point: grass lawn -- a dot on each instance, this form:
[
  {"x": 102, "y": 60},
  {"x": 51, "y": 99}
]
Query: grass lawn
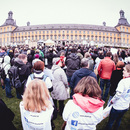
[{"x": 13, "y": 104}]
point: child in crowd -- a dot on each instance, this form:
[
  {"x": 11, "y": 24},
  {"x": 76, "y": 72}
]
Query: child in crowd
[{"x": 36, "y": 108}]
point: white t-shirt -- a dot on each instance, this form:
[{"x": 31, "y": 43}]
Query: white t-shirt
[
  {"x": 35, "y": 120},
  {"x": 47, "y": 81},
  {"x": 78, "y": 119},
  {"x": 124, "y": 100}
]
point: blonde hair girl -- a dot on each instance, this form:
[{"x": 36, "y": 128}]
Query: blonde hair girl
[
  {"x": 36, "y": 108},
  {"x": 36, "y": 96}
]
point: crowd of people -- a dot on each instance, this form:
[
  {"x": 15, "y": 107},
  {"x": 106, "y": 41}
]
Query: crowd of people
[{"x": 88, "y": 77}]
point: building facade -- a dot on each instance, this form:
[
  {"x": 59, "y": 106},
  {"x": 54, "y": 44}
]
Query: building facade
[{"x": 118, "y": 36}]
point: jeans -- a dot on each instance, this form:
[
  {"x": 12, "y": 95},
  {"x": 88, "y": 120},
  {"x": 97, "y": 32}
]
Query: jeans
[
  {"x": 8, "y": 88},
  {"x": 115, "y": 115},
  {"x": 102, "y": 85}
]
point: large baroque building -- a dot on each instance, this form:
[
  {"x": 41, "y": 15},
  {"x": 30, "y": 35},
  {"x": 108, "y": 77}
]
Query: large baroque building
[{"x": 118, "y": 36}]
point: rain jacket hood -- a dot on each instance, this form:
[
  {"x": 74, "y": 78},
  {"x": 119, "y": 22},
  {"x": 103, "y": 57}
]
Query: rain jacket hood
[
  {"x": 55, "y": 67},
  {"x": 88, "y": 104}
]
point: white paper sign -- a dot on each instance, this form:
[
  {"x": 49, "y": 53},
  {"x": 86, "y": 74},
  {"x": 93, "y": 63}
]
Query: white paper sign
[{"x": 114, "y": 51}]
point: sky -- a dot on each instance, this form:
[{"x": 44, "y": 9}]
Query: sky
[{"x": 38, "y": 12}]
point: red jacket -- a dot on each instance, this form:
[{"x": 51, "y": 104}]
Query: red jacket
[{"x": 105, "y": 68}]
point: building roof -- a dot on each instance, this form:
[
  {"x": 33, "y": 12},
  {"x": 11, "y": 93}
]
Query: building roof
[
  {"x": 122, "y": 20},
  {"x": 65, "y": 27},
  {"x": 10, "y": 20}
]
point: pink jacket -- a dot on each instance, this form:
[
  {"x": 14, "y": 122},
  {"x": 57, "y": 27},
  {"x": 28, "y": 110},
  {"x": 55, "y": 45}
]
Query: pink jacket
[
  {"x": 105, "y": 68},
  {"x": 88, "y": 104}
]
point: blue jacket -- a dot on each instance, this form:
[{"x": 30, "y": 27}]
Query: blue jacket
[
  {"x": 79, "y": 74},
  {"x": 3, "y": 54}
]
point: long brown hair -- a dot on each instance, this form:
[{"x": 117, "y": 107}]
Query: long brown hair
[
  {"x": 88, "y": 86},
  {"x": 36, "y": 96}
]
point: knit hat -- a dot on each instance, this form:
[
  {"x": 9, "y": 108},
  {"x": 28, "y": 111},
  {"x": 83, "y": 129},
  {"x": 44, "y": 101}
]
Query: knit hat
[{"x": 36, "y": 56}]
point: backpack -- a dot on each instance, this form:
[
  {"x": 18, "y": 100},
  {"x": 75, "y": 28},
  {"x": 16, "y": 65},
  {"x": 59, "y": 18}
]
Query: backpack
[
  {"x": 3, "y": 75},
  {"x": 42, "y": 78},
  {"x": 14, "y": 77},
  {"x": 1, "y": 62},
  {"x": 12, "y": 72}
]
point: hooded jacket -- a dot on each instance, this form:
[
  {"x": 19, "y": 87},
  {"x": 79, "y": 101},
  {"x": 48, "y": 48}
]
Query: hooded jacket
[
  {"x": 59, "y": 83},
  {"x": 6, "y": 65},
  {"x": 73, "y": 63},
  {"x": 79, "y": 74},
  {"x": 88, "y": 104},
  {"x": 24, "y": 70},
  {"x": 83, "y": 113}
]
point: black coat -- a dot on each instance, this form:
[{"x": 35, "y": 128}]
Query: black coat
[
  {"x": 116, "y": 76},
  {"x": 23, "y": 71},
  {"x": 73, "y": 63},
  {"x": 6, "y": 117}
]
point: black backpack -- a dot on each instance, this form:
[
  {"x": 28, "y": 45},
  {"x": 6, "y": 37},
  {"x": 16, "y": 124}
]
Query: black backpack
[
  {"x": 3, "y": 75},
  {"x": 14, "y": 77},
  {"x": 13, "y": 72}
]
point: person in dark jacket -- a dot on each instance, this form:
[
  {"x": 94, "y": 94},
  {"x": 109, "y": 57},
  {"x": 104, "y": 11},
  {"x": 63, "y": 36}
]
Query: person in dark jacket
[
  {"x": 73, "y": 63},
  {"x": 29, "y": 59},
  {"x": 6, "y": 117},
  {"x": 50, "y": 55},
  {"x": 116, "y": 76},
  {"x": 11, "y": 54},
  {"x": 23, "y": 71},
  {"x": 79, "y": 74}
]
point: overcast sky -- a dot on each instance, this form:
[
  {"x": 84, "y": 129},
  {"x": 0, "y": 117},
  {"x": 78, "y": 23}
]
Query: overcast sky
[{"x": 93, "y": 12}]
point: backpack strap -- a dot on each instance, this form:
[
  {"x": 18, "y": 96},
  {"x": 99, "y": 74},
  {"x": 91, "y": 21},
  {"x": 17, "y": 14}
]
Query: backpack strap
[
  {"x": 32, "y": 76},
  {"x": 44, "y": 77}
]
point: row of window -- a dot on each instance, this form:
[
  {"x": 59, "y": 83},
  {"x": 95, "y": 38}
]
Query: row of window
[
  {"x": 84, "y": 37},
  {"x": 6, "y": 29},
  {"x": 71, "y": 38},
  {"x": 122, "y": 35},
  {"x": 123, "y": 29},
  {"x": 63, "y": 32}
]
